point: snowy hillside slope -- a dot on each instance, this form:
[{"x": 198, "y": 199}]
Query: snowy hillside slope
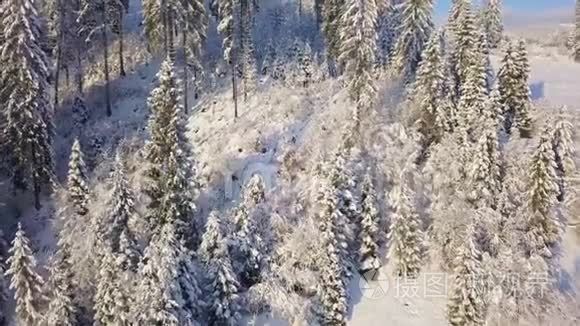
[{"x": 278, "y": 122}]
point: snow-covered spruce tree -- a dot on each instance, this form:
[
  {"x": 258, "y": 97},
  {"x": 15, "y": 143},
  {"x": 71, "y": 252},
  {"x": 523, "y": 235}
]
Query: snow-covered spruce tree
[
  {"x": 223, "y": 302},
  {"x": 466, "y": 305},
  {"x": 576, "y": 47},
  {"x": 357, "y": 50},
  {"x": 226, "y": 28},
  {"x": 25, "y": 282},
  {"x": 485, "y": 170},
  {"x": 465, "y": 46},
  {"x": 305, "y": 66},
  {"x": 492, "y": 22},
  {"x": 369, "y": 228},
  {"x": 153, "y": 24},
  {"x": 387, "y": 30},
  {"x": 523, "y": 120},
  {"x": 331, "y": 27},
  {"x": 416, "y": 27},
  {"x": 457, "y": 8},
  {"x": 332, "y": 296},
  {"x": 27, "y": 113},
  {"x": 341, "y": 177},
  {"x": 473, "y": 90},
  {"x": 542, "y": 226},
  {"x": 116, "y": 233},
  {"x": 247, "y": 55},
  {"x": 62, "y": 310},
  {"x": 112, "y": 300},
  {"x": 170, "y": 171},
  {"x": 77, "y": 187},
  {"x": 484, "y": 50},
  {"x": 563, "y": 144},
  {"x": 427, "y": 92},
  {"x": 155, "y": 297},
  {"x": 248, "y": 243},
  {"x": 513, "y": 87},
  {"x": 406, "y": 237}
]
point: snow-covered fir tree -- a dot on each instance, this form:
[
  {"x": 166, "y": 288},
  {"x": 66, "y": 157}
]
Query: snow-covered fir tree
[
  {"x": 170, "y": 173},
  {"x": 513, "y": 87},
  {"x": 427, "y": 92},
  {"x": 306, "y": 66},
  {"x": 564, "y": 150},
  {"x": 156, "y": 296},
  {"x": 112, "y": 302},
  {"x": 248, "y": 243},
  {"x": 224, "y": 301},
  {"x": 341, "y": 176},
  {"x": 492, "y": 22},
  {"x": 62, "y": 310},
  {"x": 332, "y": 296},
  {"x": 153, "y": 24},
  {"x": 473, "y": 90},
  {"x": 458, "y": 7},
  {"x": 357, "y": 50},
  {"x": 542, "y": 226},
  {"x": 369, "y": 228},
  {"x": 115, "y": 232},
  {"x": 415, "y": 30},
  {"x": 77, "y": 187},
  {"x": 387, "y": 30},
  {"x": 405, "y": 235},
  {"x": 485, "y": 170},
  {"x": 331, "y": 27},
  {"x": 465, "y": 45},
  {"x": 523, "y": 120},
  {"x": 27, "y": 112},
  {"x": 25, "y": 281},
  {"x": 484, "y": 50},
  {"x": 466, "y": 303}
]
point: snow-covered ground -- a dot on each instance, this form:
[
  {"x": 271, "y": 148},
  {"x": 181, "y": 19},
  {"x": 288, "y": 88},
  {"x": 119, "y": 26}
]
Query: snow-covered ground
[{"x": 279, "y": 120}]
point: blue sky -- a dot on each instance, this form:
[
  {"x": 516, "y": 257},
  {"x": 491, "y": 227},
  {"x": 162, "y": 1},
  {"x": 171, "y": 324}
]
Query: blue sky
[{"x": 538, "y": 6}]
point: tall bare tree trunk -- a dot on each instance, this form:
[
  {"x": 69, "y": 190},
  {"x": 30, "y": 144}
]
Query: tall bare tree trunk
[
  {"x": 58, "y": 55},
  {"x": 106, "y": 58},
  {"x": 122, "y": 72},
  {"x": 35, "y": 181},
  {"x": 57, "y": 75},
  {"x": 185, "y": 73},
  {"x": 234, "y": 81},
  {"x": 79, "y": 72}
]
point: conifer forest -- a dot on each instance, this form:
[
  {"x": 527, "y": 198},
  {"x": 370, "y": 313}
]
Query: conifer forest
[{"x": 289, "y": 162}]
